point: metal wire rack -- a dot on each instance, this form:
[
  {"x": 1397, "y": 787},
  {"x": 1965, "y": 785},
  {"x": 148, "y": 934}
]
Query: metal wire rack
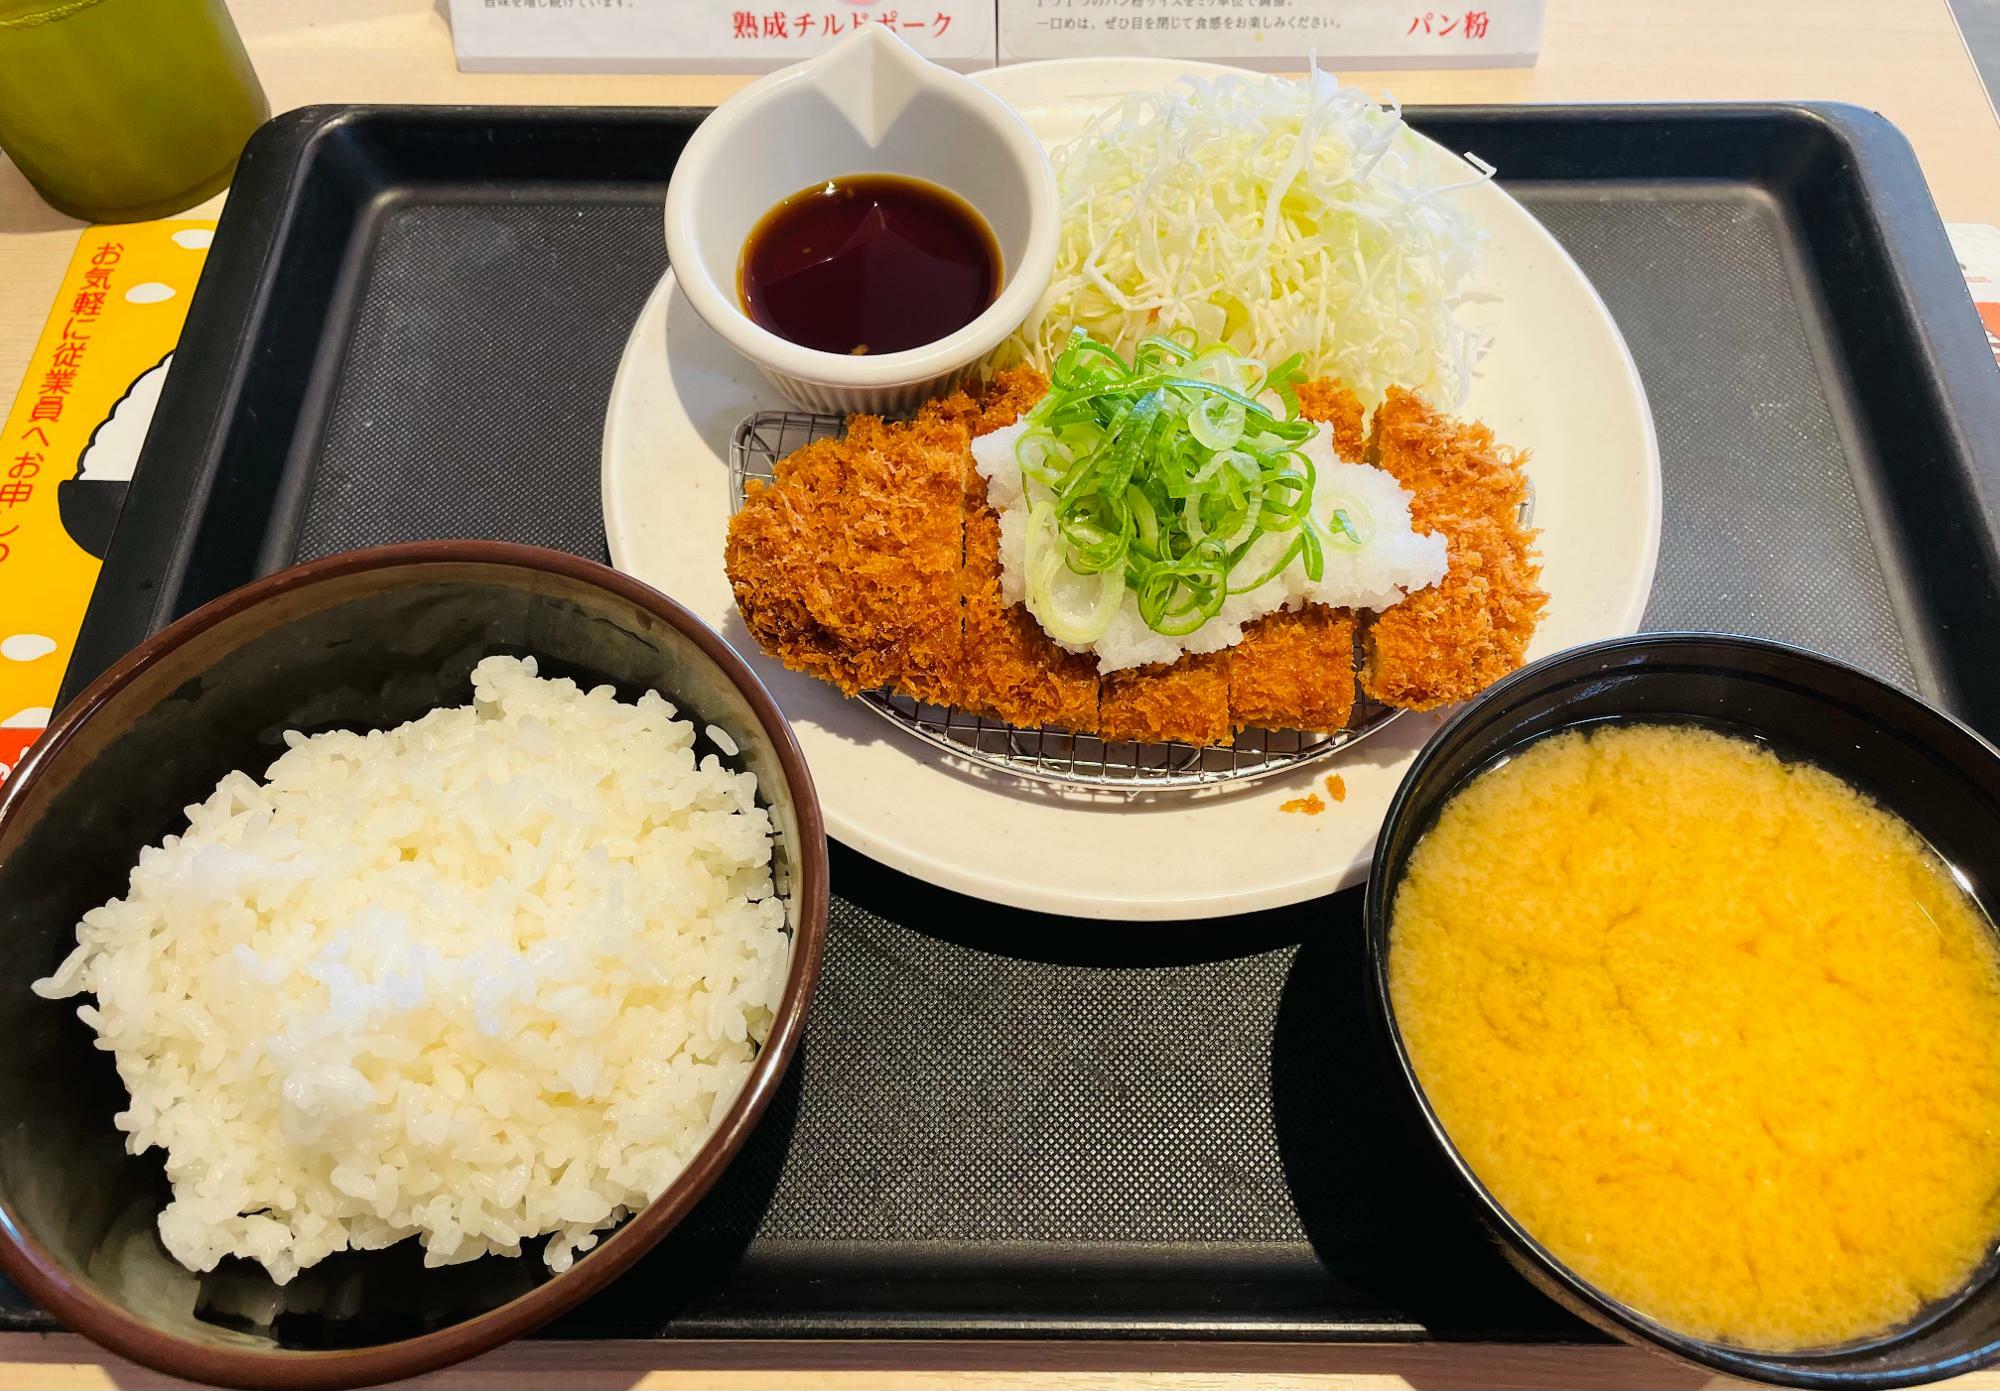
[{"x": 1046, "y": 755}]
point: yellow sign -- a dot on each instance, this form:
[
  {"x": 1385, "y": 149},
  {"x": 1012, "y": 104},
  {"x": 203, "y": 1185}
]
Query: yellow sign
[{"x": 67, "y": 451}]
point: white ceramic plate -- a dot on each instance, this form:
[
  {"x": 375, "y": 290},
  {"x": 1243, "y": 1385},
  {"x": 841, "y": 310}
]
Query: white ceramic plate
[{"x": 1558, "y": 382}]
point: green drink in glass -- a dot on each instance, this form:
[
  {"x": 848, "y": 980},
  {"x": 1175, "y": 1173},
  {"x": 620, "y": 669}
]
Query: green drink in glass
[{"x": 121, "y": 110}]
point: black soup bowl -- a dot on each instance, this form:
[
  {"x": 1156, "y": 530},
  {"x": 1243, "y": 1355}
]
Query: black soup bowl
[{"x": 1923, "y": 765}]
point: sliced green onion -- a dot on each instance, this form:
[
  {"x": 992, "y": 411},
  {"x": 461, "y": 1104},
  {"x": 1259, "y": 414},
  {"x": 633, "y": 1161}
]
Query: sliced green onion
[
  {"x": 1352, "y": 526},
  {"x": 1157, "y": 477},
  {"x": 1072, "y": 608},
  {"x": 1216, "y": 422}
]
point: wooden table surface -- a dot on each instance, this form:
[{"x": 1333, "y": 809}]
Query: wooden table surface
[{"x": 1903, "y": 58}]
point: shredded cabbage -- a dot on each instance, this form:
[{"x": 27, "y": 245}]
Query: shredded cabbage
[{"x": 1271, "y": 215}]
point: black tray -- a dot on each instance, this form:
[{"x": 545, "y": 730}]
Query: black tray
[{"x": 1005, "y": 1124}]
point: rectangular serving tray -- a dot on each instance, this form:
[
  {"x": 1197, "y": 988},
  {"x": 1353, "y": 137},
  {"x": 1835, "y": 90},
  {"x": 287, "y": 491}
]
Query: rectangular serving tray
[{"x": 1011, "y": 1125}]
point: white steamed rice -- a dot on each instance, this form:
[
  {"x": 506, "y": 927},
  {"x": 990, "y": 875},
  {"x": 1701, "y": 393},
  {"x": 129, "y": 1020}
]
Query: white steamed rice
[
  {"x": 494, "y": 974},
  {"x": 1397, "y": 560}
]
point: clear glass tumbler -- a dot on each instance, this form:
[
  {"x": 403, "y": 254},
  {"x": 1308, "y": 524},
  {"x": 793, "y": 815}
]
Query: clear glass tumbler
[{"x": 121, "y": 110}]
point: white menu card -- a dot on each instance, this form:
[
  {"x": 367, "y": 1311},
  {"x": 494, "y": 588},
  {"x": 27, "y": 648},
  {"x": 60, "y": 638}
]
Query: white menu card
[
  {"x": 1278, "y": 33},
  {"x": 703, "y": 35},
  {"x": 760, "y": 35}
]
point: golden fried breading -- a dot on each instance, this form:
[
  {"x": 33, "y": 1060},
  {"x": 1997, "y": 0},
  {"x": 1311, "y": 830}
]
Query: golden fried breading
[
  {"x": 1454, "y": 469},
  {"x": 1012, "y": 669},
  {"x": 847, "y": 568},
  {"x": 1333, "y": 405},
  {"x": 1448, "y": 642},
  {"x": 1187, "y": 701},
  {"x": 1294, "y": 669},
  {"x": 984, "y": 406},
  {"x": 874, "y": 561}
]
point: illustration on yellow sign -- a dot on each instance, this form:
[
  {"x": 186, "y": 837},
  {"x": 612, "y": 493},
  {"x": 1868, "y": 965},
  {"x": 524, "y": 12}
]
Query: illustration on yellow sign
[{"x": 70, "y": 444}]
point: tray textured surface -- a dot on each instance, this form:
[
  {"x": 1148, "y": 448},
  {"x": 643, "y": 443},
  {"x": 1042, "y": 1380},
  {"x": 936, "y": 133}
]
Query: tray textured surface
[
  {"x": 1009, "y": 1124},
  {"x": 980, "y": 1080},
  {"x": 481, "y": 351},
  {"x": 1763, "y": 530}
]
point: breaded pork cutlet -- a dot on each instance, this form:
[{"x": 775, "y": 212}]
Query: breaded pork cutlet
[
  {"x": 1294, "y": 669},
  {"x": 875, "y": 561},
  {"x": 982, "y": 407},
  {"x": 1451, "y": 641},
  {"x": 1186, "y": 701},
  {"x": 1333, "y": 405},
  {"x": 847, "y": 567},
  {"x": 1012, "y": 670}
]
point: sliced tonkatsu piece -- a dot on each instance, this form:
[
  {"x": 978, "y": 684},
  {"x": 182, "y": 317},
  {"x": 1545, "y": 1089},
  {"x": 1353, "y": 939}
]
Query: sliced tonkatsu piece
[
  {"x": 982, "y": 407},
  {"x": 1294, "y": 670},
  {"x": 847, "y": 568},
  {"x": 1012, "y": 670},
  {"x": 1449, "y": 642},
  {"x": 1187, "y": 701},
  {"x": 1340, "y": 410}
]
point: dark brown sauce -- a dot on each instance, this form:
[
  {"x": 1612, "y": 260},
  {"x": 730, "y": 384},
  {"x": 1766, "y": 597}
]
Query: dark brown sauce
[{"x": 869, "y": 263}]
